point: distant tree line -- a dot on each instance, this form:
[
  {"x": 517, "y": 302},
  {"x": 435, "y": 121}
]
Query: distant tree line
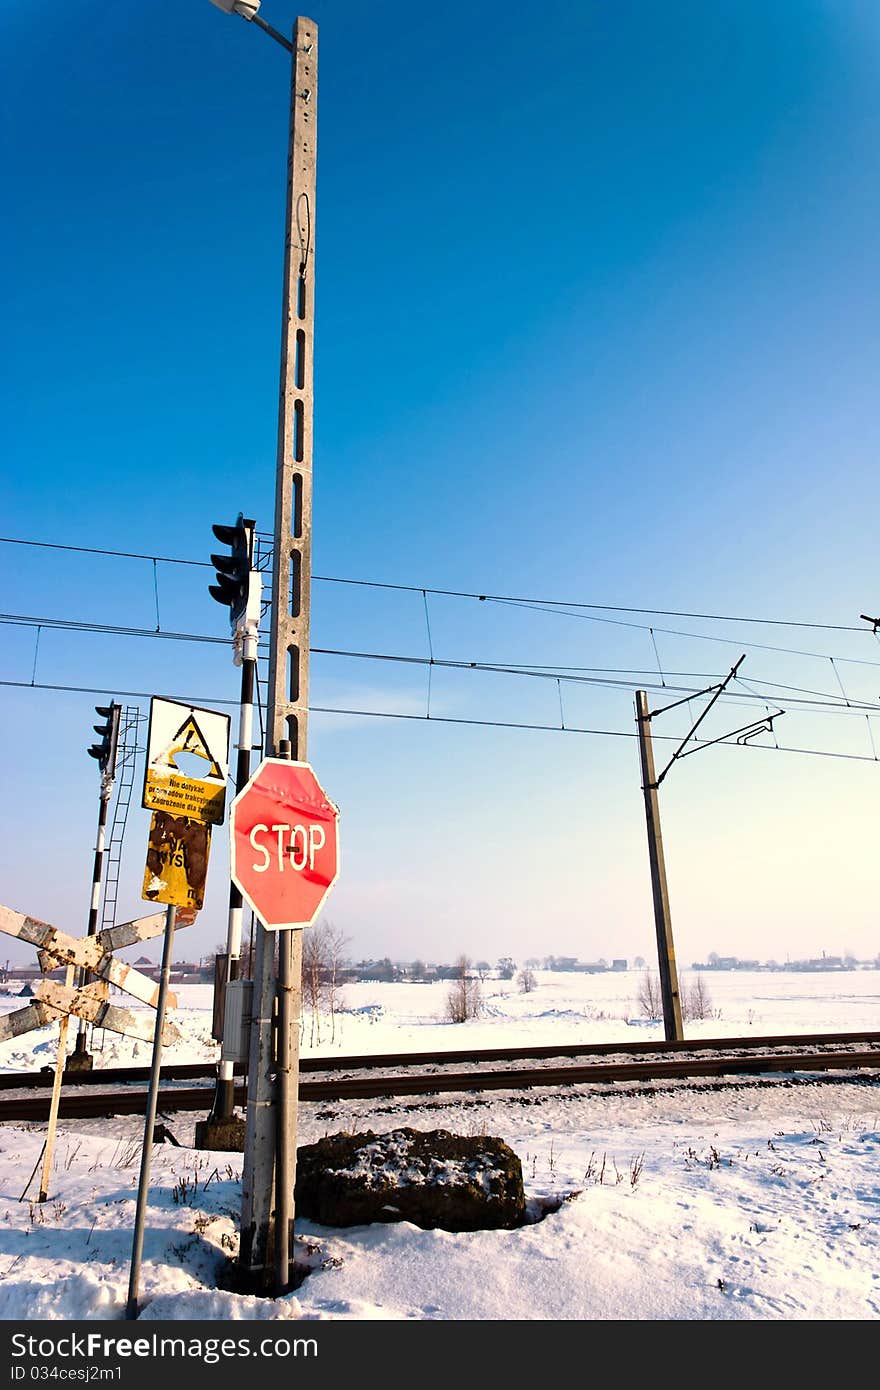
[
  {"x": 388, "y": 971},
  {"x": 847, "y": 961}
]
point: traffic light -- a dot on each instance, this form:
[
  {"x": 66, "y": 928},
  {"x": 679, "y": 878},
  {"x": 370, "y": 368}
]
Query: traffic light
[
  {"x": 105, "y": 751},
  {"x": 234, "y": 584}
]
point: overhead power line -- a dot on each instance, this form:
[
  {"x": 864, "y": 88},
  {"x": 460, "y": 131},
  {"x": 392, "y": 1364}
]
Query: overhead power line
[
  {"x": 534, "y": 606},
  {"x": 437, "y": 719},
  {"x": 556, "y": 670},
  {"x": 100, "y": 550},
  {"x": 109, "y": 629},
  {"x": 537, "y": 603},
  {"x": 605, "y": 677}
]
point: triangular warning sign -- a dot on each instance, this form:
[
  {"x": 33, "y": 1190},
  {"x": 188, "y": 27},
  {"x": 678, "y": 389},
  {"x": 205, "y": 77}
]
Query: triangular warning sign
[{"x": 188, "y": 739}]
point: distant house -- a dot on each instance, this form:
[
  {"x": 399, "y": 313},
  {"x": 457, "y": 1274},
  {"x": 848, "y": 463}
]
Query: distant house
[
  {"x": 378, "y": 971},
  {"x": 619, "y": 965},
  {"x": 185, "y": 972}
]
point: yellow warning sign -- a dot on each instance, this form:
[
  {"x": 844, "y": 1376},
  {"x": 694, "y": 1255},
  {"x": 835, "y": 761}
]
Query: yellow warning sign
[
  {"x": 188, "y": 739},
  {"x": 176, "y": 730},
  {"x": 177, "y": 861}
]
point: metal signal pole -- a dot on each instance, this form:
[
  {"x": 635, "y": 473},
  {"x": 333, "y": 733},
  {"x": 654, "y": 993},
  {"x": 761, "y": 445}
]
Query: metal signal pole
[
  {"x": 223, "y": 1129},
  {"x": 273, "y": 1071},
  {"x": 238, "y": 586},
  {"x": 662, "y": 921},
  {"x": 105, "y": 752}
]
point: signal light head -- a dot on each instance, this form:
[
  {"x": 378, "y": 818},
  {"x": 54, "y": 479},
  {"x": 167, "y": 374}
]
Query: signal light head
[
  {"x": 233, "y": 570},
  {"x": 105, "y": 751},
  {"x": 227, "y": 535},
  {"x": 228, "y": 591},
  {"x": 231, "y": 564}
]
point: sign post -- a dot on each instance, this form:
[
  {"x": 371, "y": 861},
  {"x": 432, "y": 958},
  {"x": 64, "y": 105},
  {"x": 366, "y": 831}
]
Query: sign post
[
  {"x": 284, "y": 858},
  {"x": 55, "y": 1102},
  {"x": 131, "y": 1308},
  {"x": 184, "y": 807}
]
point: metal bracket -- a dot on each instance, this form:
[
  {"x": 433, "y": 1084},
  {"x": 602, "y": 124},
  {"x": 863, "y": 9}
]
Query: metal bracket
[
  {"x": 763, "y": 726},
  {"x": 267, "y": 29},
  {"x": 717, "y": 689}
]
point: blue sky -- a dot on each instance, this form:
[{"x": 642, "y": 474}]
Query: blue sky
[{"x": 596, "y": 320}]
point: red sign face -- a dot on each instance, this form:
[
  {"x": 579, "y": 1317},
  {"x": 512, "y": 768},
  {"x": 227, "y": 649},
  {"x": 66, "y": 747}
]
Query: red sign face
[{"x": 284, "y": 844}]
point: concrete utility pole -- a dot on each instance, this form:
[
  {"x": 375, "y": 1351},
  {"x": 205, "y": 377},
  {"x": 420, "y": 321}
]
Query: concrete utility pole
[
  {"x": 650, "y": 783},
  {"x": 663, "y": 923},
  {"x": 273, "y": 1071}
]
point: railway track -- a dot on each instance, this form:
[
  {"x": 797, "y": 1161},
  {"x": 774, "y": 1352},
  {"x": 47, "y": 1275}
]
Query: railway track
[
  {"x": 121, "y": 1091},
  {"x": 205, "y": 1071}
]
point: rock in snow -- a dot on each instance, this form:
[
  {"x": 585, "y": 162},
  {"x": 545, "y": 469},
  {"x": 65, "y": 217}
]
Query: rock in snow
[{"x": 432, "y": 1178}]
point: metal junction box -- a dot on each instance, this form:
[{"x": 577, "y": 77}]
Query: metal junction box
[{"x": 237, "y": 1021}]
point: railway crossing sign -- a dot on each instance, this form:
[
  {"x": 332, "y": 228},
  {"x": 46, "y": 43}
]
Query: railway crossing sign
[
  {"x": 90, "y": 1003},
  {"x": 284, "y": 844},
  {"x": 93, "y": 953}
]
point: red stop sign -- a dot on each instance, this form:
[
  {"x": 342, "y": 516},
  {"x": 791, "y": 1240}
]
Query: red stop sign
[{"x": 284, "y": 853}]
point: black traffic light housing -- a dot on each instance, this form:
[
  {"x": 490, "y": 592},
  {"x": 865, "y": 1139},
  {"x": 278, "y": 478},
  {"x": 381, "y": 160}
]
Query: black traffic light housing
[
  {"x": 106, "y": 750},
  {"x": 234, "y": 570}
]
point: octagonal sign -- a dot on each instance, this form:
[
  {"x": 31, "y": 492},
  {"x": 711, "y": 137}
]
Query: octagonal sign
[{"x": 284, "y": 844}]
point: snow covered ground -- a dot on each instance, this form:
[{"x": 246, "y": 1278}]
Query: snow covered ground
[{"x": 743, "y": 1202}]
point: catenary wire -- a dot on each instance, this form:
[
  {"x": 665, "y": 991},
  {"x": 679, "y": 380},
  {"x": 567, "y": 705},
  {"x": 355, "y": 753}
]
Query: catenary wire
[
  {"x": 540, "y": 604},
  {"x": 532, "y": 606},
  {"x": 441, "y": 719},
  {"x": 818, "y": 701}
]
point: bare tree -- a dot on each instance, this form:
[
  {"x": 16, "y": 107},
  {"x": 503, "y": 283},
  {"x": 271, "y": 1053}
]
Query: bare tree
[
  {"x": 695, "y": 1001},
  {"x": 311, "y": 981},
  {"x": 334, "y": 943},
  {"x": 526, "y": 980},
  {"x": 649, "y": 998},
  {"x": 321, "y": 965},
  {"x": 465, "y": 997}
]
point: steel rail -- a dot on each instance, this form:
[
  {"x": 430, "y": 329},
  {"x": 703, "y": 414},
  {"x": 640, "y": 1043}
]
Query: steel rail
[
  {"x": 370, "y": 1087},
  {"x": 202, "y": 1071}
]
